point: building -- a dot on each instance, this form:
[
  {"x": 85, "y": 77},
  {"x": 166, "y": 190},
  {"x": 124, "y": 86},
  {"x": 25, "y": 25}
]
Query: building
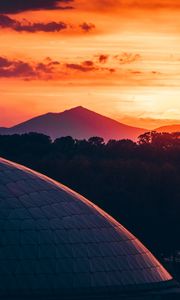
[{"x": 55, "y": 244}]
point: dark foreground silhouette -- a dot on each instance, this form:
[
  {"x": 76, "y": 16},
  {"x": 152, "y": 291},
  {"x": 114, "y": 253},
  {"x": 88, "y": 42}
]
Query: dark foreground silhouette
[{"x": 137, "y": 183}]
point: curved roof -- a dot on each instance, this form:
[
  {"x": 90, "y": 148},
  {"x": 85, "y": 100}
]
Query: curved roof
[{"x": 53, "y": 240}]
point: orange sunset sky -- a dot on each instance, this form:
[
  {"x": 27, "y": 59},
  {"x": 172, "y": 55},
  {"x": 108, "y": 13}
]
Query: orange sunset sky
[{"x": 120, "y": 58}]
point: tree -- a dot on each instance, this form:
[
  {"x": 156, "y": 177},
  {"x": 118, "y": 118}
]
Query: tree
[
  {"x": 96, "y": 141},
  {"x": 146, "y": 138},
  {"x": 64, "y": 145}
]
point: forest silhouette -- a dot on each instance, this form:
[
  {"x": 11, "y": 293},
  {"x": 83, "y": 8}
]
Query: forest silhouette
[{"x": 137, "y": 183}]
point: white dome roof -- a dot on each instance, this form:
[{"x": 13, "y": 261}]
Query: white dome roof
[{"x": 53, "y": 240}]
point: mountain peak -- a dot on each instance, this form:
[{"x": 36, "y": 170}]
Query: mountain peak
[
  {"x": 79, "y": 107},
  {"x": 78, "y": 122},
  {"x": 76, "y": 108},
  {"x": 73, "y": 109}
]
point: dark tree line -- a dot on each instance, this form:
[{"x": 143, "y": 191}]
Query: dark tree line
[{"x": 137, "y": 183}]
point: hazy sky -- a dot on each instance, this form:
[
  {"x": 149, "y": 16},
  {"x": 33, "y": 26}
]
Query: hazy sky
[{"x": 119, "y": 58}]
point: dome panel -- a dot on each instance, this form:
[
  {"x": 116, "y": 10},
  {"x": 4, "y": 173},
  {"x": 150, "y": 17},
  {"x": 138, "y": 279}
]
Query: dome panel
[{"x": 52, "y": 239}]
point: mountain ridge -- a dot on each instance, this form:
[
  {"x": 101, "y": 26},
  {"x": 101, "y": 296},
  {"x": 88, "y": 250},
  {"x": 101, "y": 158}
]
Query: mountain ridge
[
  {"x": 169, "y": 128},
  {"x": 78, "y": 122}
]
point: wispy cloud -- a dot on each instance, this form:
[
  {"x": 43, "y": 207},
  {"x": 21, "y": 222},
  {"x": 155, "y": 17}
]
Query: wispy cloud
[
  {"x": 17, "y": 6},
  {"x": 120, "y": 59},
  {"x": 89, "y": 66},
  {"x": 27, "y": 70},
  {"x": 102, "y": 65},
  {"x": 111, "y": 5},
  {"x": 103, "y": 58},
  {"x": 25, "y": 26},
  {"x": 7, "y": 22},
  {"x": 47, "y": 69},
  {"x": 85, "y": 66},
  {"x": 87, "y": 27},
  {"x": 127, "y": 58}
]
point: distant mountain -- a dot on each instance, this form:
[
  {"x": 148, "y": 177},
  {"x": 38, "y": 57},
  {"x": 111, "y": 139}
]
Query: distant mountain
[
  {"x": 169, "y": 128},
  {"x": 3, "y": 130},
  {"x": 78, "y": 122}
]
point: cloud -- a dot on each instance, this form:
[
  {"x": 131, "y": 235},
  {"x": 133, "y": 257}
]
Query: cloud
[
  {"x": 114, "y": 62},
  {"x": 89, "y": 66},
  {"x": 17, "y": 6},
  {"x": 19, "y": 68},
  {"x": 153, "y": 4},
  {"x": 7, "y": 22},
  {"x": 116, "y": 5},
  {"x": 127, "y": 58},
  {"x": 103, "y": 58},
  {"x": 85, "y": 66},
  {"x": 26, "y": 70},
  {"x": 87, "y": 26},
  {"x": 47, "y": 69},
  {"x": 100, "y": 65},
  {"x": 136, "y": 72},
  {"x": 4, "y": 62},
  {"x": 25, "y": 26},
  {"x": 118, "y": 59}
]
